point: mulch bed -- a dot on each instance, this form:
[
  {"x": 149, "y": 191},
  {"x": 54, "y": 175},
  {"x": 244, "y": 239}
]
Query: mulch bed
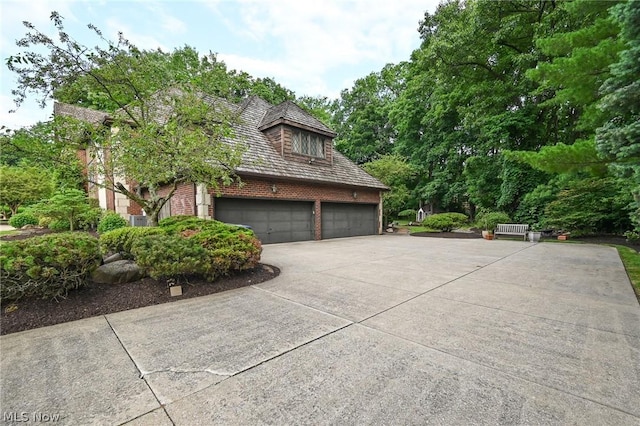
[
  {"x": 101, "y": 299},
  {"x": 594, "y": 239},
  {"x": 465, "y": 235}
]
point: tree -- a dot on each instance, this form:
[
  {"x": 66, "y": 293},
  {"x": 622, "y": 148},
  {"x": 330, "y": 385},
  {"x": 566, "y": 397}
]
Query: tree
[
  {"x": 67, "y": 205},
  {"x": 394, "y": 172},
  {"x": 619, "y": 138},
  {"x": 361, "y": 115},
  {"x": 160, "y": 138},
  {"x": 23, "y": 185}
]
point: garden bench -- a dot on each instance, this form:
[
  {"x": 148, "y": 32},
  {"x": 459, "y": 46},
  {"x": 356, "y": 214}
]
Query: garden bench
[{"x": 511, "y": 229}]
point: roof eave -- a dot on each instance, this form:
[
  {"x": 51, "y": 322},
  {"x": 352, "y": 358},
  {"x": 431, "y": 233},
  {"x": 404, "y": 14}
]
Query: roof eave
[{"x": 295, "y": 124}]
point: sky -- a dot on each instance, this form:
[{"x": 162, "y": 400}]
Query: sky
[{"x": 315, "y": 48}]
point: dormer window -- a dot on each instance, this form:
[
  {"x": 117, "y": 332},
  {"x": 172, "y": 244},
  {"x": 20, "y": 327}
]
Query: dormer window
[{"x": 306, "y": 143}]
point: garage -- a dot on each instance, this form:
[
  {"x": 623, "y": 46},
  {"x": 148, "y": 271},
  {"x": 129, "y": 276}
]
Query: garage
[
  {"x": 272, "y": 221},
  {"x": 348, "y": 220}
]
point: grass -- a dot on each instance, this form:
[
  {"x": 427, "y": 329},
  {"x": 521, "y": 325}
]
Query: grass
[
  {"x": 631, "y": 260},
  {"x": 413, "y": 228},
  {"x": 9, "y": 232}
]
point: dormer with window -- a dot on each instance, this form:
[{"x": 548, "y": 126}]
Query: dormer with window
[{"x": 297, "y": 135}]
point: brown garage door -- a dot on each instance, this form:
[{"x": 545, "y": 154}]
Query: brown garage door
[
  {"x": 272, "y": 221},
  {"x": 349, "y": 220}
]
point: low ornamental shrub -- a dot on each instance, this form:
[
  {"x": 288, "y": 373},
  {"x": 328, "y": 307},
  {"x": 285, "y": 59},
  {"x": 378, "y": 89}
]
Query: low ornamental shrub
[
  {"x": 59, "y": 225},
  {"x": 47, "y": 266},
  {"x": 233, "y": 249},
  {"x": 445, "y": 221},
  {"x": 121, "y": 240},
  {"x": 19, "y": 220},
  {"x": 489, "y": 220},
  {"x": 197, "y": 247},
  {"x": 165, "y": 256},
  {"x": 111, "y": 220}
]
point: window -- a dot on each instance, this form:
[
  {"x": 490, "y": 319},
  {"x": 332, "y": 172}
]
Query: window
[{"x": 307, "y": 144}]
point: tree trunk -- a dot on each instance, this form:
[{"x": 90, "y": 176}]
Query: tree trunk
[{"x": 152, "y": 217}]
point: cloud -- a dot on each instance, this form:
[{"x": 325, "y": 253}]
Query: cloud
[
  {"x": 140, "y": 40},
  {"x": 166, "y": 20},
  {"x": 12, "y": 13},
  {"x": 314, "y": 39},
  {"x": 28, "y": 114}
]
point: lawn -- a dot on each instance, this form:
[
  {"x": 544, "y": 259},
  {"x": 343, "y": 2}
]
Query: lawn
[{"x": 631, "y": 260}]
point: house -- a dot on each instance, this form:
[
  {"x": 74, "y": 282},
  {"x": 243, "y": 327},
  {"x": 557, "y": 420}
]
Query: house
[{"x": 295, "y": 185}]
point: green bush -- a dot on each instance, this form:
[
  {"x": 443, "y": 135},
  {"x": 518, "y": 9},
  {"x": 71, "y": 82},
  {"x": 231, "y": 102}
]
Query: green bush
[
  {"x": 179, "y": 224},
  {"x": 47, "y": 266},
  {"x": 231, "y": 249},
  {"x": 111, "y": 220},
  {"x": 212, "y": 251},
  {"x": 121, "y": 240},
  {"x": 19, "y": 220},
  {"x": 59, "y": 225},
  {"x": 489, "y": 220},
  {"x": 445, "y": 221},
  {"x": 165, "y": 256}
]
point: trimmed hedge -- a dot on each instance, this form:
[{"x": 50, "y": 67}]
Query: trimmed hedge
[
  {"x": 445, "y": 221},
  {"x": 47, "y": 266}
]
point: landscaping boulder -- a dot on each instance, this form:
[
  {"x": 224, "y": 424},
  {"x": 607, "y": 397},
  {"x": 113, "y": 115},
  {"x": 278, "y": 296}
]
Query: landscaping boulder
[{"x": 118, "y": 272}]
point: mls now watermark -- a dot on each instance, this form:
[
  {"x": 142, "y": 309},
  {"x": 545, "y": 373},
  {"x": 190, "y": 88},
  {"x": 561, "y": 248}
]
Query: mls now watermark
[{"x": 33, "y": 417}]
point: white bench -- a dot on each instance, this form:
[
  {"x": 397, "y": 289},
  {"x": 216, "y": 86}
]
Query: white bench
[{"x": 512, "y": 229}]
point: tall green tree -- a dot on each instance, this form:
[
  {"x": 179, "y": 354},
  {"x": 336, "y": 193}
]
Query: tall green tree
[
  {"x": 619, "y": 138},
  {"x": 159, "y": 138},
  {"x": 395, "y": 172},
  {"x": 361, "y": 115},
  {"x": 20, "y": 186}
]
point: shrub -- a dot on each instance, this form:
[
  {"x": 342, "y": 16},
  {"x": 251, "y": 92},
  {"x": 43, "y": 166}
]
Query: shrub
[
  {"x": 44, "y": 221},
  {"x": 215, "y": 250},
  {"x": 408, "y": 213},
  {"x": 19, "y": 220},
  {"x": 121, "y": 240},
  {"x": 111, "y": 220},
  {"x": 178, "y": 224},
  {"x": 445, "y": 221},
  {"x": 231, "y": 249},
  {"x": 59, "y": 225},
  {"x": 47, "y": 266},
  {"x": 490, "y": 220},
  {"x": 164, "y": 256}
]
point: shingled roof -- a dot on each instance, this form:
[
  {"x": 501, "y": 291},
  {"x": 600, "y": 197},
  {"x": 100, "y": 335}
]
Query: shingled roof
[
  {"x": 262, "y": 158},
  {"x": 85, "y": 114},
  {"x": 290, "y": 113}
]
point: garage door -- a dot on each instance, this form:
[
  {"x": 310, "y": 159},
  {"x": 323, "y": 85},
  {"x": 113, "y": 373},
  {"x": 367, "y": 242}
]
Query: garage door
[
  {"x": 349, "y": 220},
  {"x": 272, "y": 221}
]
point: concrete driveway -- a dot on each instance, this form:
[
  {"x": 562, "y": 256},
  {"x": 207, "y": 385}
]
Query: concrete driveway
[{"x": 370, "y": 330}]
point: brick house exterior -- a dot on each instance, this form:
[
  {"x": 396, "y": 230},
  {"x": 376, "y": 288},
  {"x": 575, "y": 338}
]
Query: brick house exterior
[{"x": 294, "y": 184}]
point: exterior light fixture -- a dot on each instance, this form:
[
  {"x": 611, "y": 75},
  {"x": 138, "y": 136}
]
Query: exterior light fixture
[
  {"x": 355, "y": 194},
  {"x": 274, "y": 188}
]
